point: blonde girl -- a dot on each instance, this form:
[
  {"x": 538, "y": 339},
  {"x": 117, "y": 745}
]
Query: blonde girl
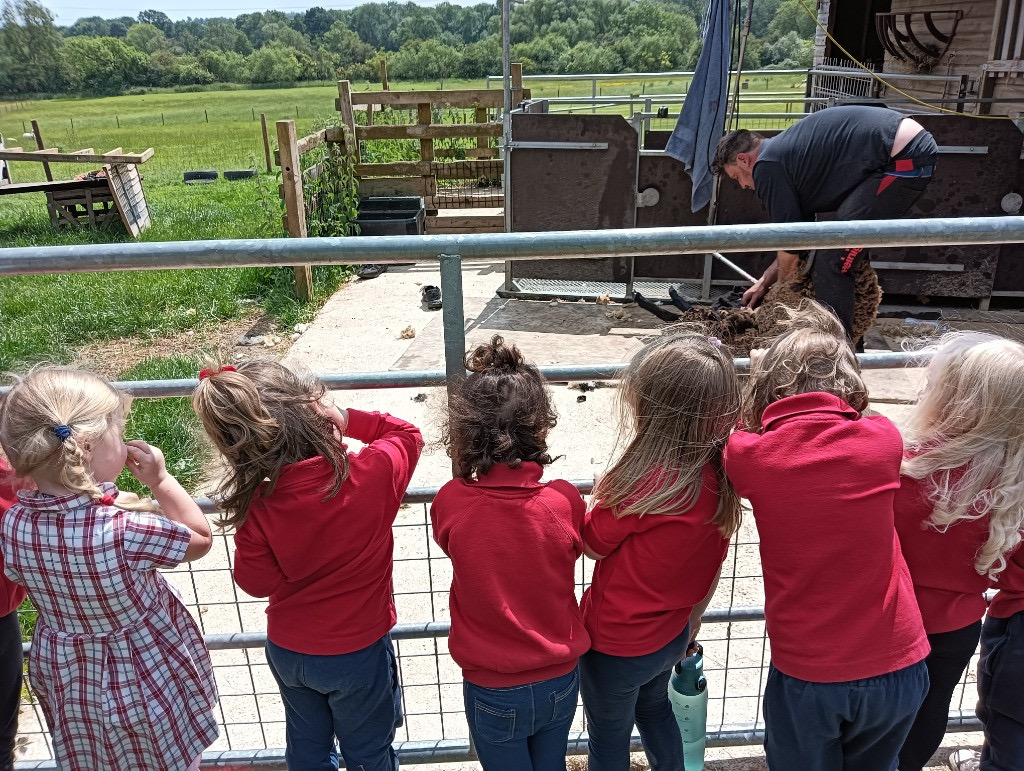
[
  {"x": 846, "y": 675},
  {"x": 312, "y": 528},
  {"x": 89, "y": 558},
  {"x": 659, "y": 528},
  {"x": 959, "y": 514}
]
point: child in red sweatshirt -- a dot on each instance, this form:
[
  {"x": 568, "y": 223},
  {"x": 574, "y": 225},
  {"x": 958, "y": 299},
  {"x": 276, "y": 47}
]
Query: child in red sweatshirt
[
  {"x": 517, "y": 631},
  {"x": 847, "y": 673},
  {"x": 313, "y": 533},
  {"x": 11, "y": 596},
  {"x": 660, "y": 526},
  {"x": 959, "y": 514}
]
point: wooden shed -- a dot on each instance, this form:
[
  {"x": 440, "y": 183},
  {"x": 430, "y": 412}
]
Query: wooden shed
[{"x": 980, "y": 40}]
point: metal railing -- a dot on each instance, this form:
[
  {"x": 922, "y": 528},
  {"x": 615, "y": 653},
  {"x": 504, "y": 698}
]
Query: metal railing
[{"x": 435, "y": 731}]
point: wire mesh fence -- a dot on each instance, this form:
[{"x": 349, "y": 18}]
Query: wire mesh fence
[{"x": 736, "y": 648}]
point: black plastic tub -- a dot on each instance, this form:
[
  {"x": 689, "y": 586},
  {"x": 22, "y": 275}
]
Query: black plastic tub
[{"x": 391, "y": 216}]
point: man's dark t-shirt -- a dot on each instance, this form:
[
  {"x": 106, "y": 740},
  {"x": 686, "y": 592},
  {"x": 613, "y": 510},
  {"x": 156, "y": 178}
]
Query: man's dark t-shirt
[{"x": 812, "y": 166}]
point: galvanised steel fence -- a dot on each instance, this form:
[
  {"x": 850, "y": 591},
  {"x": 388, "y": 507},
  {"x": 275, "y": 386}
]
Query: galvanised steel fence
[{"x": 736, "y": 646}]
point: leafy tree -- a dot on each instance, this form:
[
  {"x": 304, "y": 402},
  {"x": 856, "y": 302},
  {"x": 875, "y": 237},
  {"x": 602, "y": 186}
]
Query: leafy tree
[
  {"x": 226, "y": 66},
  {"x": 545, "y": 52},
  {"x": 273, "y": 63},
  {"x": 119, "y": 27},
  {"x": 346, "y": 45},
  {"x": 146, "y": 38},
  {"x": 482, "y": 58},
  {"x": 317, "y": 22},
  {"x": 788, "y": 52},
  {"x": 158, "y": 19},
  {"x": 222, "y": 35},
  {"x": 792, "y": 17},
  {"x": 103, "y": 65},
  {"x": 29, "y": 48},
  {"x": 276, "y": 32},
  {"x": 424, "y": 60},
  {"x": 93, "y": 26},
  {"x": 585, "y": 58},
  {"x": 419, "y": 26},
  {"x": 375, "y": 23}
]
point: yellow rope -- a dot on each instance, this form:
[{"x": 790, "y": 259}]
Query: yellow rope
[{"x": 886, "y": 83}]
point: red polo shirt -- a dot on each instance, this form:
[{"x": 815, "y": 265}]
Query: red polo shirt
[
  {"x": 949, "y": 590},
  {"x": 656, "y": 568},
  {"x": 839, "y": 603},
  {"x": 513, "y": 541},
  {"x": 11, "y": 594},
  {"x": 324, "y": 562}
]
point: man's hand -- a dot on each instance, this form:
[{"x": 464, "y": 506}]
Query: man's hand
[{"x": 753, "y": 296}]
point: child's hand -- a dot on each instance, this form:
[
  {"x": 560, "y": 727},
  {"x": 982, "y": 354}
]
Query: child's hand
[
  {"x": 146, "y": 463},
  {"x": 338, "y": 417},
  {"x": 757, "y": 356}
]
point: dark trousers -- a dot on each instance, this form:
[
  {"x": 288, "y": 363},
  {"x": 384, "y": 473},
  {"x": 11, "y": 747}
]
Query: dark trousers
[
  {"x": 10, "y": 686},
  {"x": 619, "y": 691},
  {"x": 523, "y": 727},
  {"x": 1001, "y": 693},
  {"x": 355, "y": 697},
  {"x": 951, "y": 653},
  {"x": 832, "y": 270},
  {"x": 858, "y": 725}
]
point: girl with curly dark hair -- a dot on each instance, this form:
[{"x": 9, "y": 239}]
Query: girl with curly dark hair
[{"x": 517, "y": 631}]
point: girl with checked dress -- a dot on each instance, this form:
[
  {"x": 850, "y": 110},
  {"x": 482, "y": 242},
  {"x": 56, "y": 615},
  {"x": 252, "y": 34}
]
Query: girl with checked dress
[{"x": 117, "y": 663}]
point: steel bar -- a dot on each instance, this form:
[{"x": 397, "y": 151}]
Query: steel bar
[
  {"x": 570, "y": 373},
  {"x": 590, "y": 244}
]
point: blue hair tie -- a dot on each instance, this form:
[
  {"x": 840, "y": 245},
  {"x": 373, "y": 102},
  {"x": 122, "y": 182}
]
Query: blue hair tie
[{"x": 63, "y": 432}]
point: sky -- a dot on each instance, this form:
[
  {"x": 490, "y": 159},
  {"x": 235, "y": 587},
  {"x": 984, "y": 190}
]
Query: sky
[{"x": 67, "y": 11}]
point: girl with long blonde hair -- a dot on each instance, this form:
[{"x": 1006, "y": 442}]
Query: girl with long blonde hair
[
  {"x": 659, "y": 527},
  {"x": 847, "y": 672},
  {"x": 960, "y": 513},
  {"x": 89, "y": 557}
]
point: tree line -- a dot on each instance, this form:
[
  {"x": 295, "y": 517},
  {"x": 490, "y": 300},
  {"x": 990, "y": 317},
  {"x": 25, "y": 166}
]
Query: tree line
[{"x": 97, "y": 55}]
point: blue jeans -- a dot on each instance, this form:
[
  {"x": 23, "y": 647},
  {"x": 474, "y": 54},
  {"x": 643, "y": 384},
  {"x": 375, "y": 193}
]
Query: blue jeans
[
  {"x": 1001, "y": 693},
  {"x": 355, "y": 697},
  {"x": 522, "y": 727},
  {"x": 858, "y": 725},
  {"x": 619, "y": 691}
]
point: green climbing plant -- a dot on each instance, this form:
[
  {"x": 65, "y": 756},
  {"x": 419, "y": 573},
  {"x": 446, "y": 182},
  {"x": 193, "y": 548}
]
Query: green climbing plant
[{"x": 329, "y": 186}]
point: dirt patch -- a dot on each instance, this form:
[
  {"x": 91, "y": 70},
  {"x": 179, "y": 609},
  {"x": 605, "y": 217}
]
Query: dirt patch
[
  {"x": 743, "y": 329},
  {"x": 111, "y": 357}
]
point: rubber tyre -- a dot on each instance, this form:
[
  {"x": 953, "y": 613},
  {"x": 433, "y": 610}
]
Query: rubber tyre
[
  {"x": 200, "y": 176},
  {"x": 233, "y": 174}
]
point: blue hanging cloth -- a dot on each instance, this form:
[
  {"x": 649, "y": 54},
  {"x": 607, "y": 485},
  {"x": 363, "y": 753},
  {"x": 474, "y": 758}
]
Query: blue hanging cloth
[{"x": 702, "y": 118}]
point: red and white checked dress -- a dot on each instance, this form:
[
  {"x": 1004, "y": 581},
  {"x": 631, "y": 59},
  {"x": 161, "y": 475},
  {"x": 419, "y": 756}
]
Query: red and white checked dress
[{"x": 118, "y": 664}]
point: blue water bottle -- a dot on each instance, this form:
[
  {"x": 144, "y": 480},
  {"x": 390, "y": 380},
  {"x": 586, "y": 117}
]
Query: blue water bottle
[{"x": 688, "y": 692}]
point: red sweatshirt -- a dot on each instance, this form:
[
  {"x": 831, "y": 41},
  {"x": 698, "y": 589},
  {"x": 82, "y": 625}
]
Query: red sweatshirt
[
  {"x": 656, "y": 568},
  {"x": 949, "y": 590},
  {"x": 513, "y": 541},
  {"x": 1009, "y": 600},
  {"x": 839, "y": 603},
  {"x": 11, "y": 594},
  {"x": 326, "y": 564}
]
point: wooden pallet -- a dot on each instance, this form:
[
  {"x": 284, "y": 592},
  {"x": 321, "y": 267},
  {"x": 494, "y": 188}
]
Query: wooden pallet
[{"x": 91, "y": 205}]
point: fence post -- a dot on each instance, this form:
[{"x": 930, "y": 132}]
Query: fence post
[
  {"x": 294, "y": 202},
  {"x": 348, "y": 116},
  {"x": 516, "y": 78},
  {"x": 41, "y": 146},
  {"x": 454, "y": 319},
  {"x": 266, "y": 142},
  {"x": 423, "y": 117}
]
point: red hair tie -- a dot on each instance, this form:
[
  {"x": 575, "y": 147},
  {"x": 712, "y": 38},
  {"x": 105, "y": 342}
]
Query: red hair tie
[{"x": 205, "y": 373}]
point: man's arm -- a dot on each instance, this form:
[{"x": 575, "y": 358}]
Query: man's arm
[{"x": 783, "y": 268}]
